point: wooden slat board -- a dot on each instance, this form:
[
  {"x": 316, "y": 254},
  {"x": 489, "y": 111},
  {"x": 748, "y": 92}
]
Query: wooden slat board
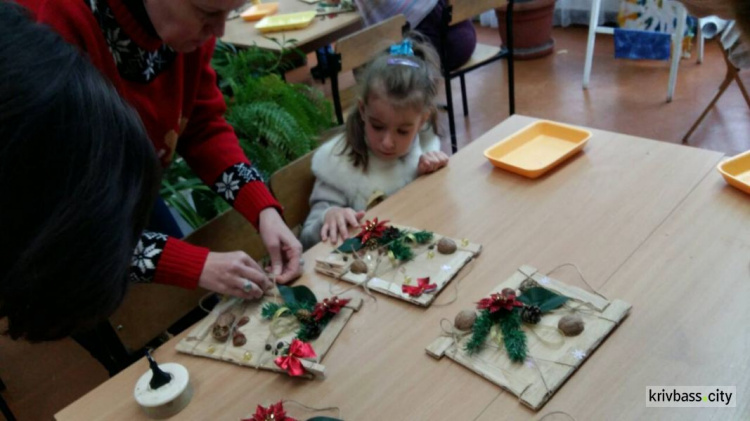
[
  {"x": 550, "y": 362},
  {"x": 200, "y": 342},
  {"x": 387, "y": 278}
]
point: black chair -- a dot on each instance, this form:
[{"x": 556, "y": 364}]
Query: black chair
[{"x": 458, "y": 11}]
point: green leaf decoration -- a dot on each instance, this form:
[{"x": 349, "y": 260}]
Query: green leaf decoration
[
  {"x": 514, "y": 338},
  {"x": 299, "y": 296},
  {"x": 545, "y": 299},
  {"x": 350, "y": 245}
]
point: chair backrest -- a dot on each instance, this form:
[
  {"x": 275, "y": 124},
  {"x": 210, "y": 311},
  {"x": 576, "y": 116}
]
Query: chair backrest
[
  {"x": 360, "y": 47},
  {"x": 467, "y": 9},
  {"x": 293, "y": 184},
  {"x": 150, "y": 309}
]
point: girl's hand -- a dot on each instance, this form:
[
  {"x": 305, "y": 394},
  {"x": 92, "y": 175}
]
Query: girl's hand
[
  {"x": 337, "y": 222},
  {"x": 283, "y": 247},
  {"x": 431, "y": 161},
  {"x": 234, "y": 273}
]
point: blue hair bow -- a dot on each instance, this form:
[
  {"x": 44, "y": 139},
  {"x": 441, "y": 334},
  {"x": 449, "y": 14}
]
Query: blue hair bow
[{"x": 403, "y": 48}]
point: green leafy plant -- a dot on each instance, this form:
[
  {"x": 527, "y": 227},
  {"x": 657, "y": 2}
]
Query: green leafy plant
[{"x": 276, "y": 122}]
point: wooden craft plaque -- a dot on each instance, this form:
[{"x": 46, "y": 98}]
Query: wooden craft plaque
[
  {"x": 200, "y": 342},
  {"x": 388, "y": 278},
  {"x": 556, "y": 362}
]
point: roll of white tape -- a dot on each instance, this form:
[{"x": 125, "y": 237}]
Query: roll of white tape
[{"x": 167, "y": 400}]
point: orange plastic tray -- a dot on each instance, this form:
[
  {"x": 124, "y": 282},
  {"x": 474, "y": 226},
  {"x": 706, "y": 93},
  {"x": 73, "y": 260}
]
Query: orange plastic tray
[
  {"x": 285, "y": 22},
  {"x": 736, "y": 171},
  {"x": 259, "y": 11},
  {"x": 537, "y": 148}
]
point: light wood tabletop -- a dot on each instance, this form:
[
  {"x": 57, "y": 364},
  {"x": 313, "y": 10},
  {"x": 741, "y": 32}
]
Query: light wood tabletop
[
  {"x": 322, "y": 31},
  {"x": 623, "y": 211}
]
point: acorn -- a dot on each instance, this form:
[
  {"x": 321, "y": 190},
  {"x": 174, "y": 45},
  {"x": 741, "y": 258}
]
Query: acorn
[
  {"x": 465, "y": 319},
  {"x": 527, "y": 284},
  {"x": 508, "y": 291},
  {"x": 571, "y": 325},
  {"x": 446, "y": 246},
  {"x": 359, "y": 266},
  {"x": 243, "y": 321}
]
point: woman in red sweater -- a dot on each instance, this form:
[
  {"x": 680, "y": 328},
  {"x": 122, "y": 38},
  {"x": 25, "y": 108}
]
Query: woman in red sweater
[{"x": 157, "y": 54}]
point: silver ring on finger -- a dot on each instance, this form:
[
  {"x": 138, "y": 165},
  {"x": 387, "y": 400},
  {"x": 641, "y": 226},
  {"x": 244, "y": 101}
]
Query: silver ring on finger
[{"x": 247, "y": 286}]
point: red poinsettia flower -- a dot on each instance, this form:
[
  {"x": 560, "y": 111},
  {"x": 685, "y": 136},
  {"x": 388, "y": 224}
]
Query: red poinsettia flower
[
  {"x": 423, "y": 285},
  {"x": 274, "y": 412},
  {"x": 498, "y": 302},
  {"x": 290, "y": 362},
  {"x": 329, "y": 305},
  {"x": 372, "y": 229}
]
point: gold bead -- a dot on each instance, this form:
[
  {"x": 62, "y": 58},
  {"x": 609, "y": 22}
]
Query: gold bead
[
  {"x": 407, "y": 280},
  {"x": 211, "y": 349},
  {"x": 430, "y": 254},
  {"x": 248, "y": 356},
  {"x": 465, "y": 242}
]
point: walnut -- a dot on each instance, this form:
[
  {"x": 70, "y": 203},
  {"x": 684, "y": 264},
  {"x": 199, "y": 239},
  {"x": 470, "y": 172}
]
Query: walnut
[
  {"x": 571, "y": 325},
  {"x": 446, "y": 246},
  {"x": 359, "y": 266},
  {"x": 222, "y": 327},
  {"x": 465, "y": 319}
]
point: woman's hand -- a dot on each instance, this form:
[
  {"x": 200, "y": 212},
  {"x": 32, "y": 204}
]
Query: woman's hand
[
  {"x": 431, "y": 161},
  {"x": 234, "y": 273},
  {"x": 337, "y": 222},
  {"x": 283, "y": 247}
]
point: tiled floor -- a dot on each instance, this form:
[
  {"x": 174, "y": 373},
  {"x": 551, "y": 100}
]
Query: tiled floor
[{"x": 625, "y": 96}]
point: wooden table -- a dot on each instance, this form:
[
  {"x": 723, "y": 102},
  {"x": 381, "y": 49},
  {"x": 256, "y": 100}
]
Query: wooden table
[
  {"x": 323, "y": 30},
  {"x": 624, "y": 211}
]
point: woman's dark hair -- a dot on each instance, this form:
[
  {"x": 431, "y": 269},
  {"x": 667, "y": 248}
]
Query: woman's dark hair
[{"x": 78, "y": 176}]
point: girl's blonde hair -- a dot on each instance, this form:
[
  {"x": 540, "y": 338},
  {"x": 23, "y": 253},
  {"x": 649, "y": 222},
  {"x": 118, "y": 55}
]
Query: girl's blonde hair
[{"x": 406, "y": 81}]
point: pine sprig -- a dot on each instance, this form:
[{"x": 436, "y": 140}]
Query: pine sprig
[
  {"x": 479, "y": 332},
  {"x": 514, "y": 338},
  {"x": 400, "y": 250}
]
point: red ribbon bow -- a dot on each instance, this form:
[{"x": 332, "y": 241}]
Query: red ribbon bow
[
  {"x": 329, "y": 305},
  {"x": 423, "y": 285},
  {"x": 274, "y": 412},
  {"x": 497, "y": 302},
  {"x": 290, "y": 362},
  {"x": 372, "y": 229}
]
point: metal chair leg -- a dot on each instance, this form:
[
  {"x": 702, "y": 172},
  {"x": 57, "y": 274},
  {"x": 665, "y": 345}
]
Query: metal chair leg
[
  {"x": 451, "y": 119},
  {"x": 511, "y": 77},
  {"x": 463, "y": 96}
]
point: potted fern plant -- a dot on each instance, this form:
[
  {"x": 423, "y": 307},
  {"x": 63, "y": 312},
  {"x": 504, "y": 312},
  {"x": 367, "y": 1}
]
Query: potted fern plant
[{"x": 276, "y": 122}]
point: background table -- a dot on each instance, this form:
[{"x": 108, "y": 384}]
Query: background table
[
  {"x": 322, "y": 31},
  {"x": 623, "y": 211}
]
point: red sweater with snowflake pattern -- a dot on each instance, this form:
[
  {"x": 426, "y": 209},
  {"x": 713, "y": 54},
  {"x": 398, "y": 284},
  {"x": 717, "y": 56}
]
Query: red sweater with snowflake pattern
[{"x": 181, "y": 107}]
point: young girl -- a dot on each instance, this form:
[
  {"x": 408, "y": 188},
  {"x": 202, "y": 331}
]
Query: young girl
[{"x": 389, "y": 141}]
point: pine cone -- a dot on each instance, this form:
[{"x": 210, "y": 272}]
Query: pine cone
[
  {"x": 304, "y": 315},
  {"x": 390, "y": 234},
  {"x": 372, "y": 244},
  {"x": 531, "y": 314}
]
